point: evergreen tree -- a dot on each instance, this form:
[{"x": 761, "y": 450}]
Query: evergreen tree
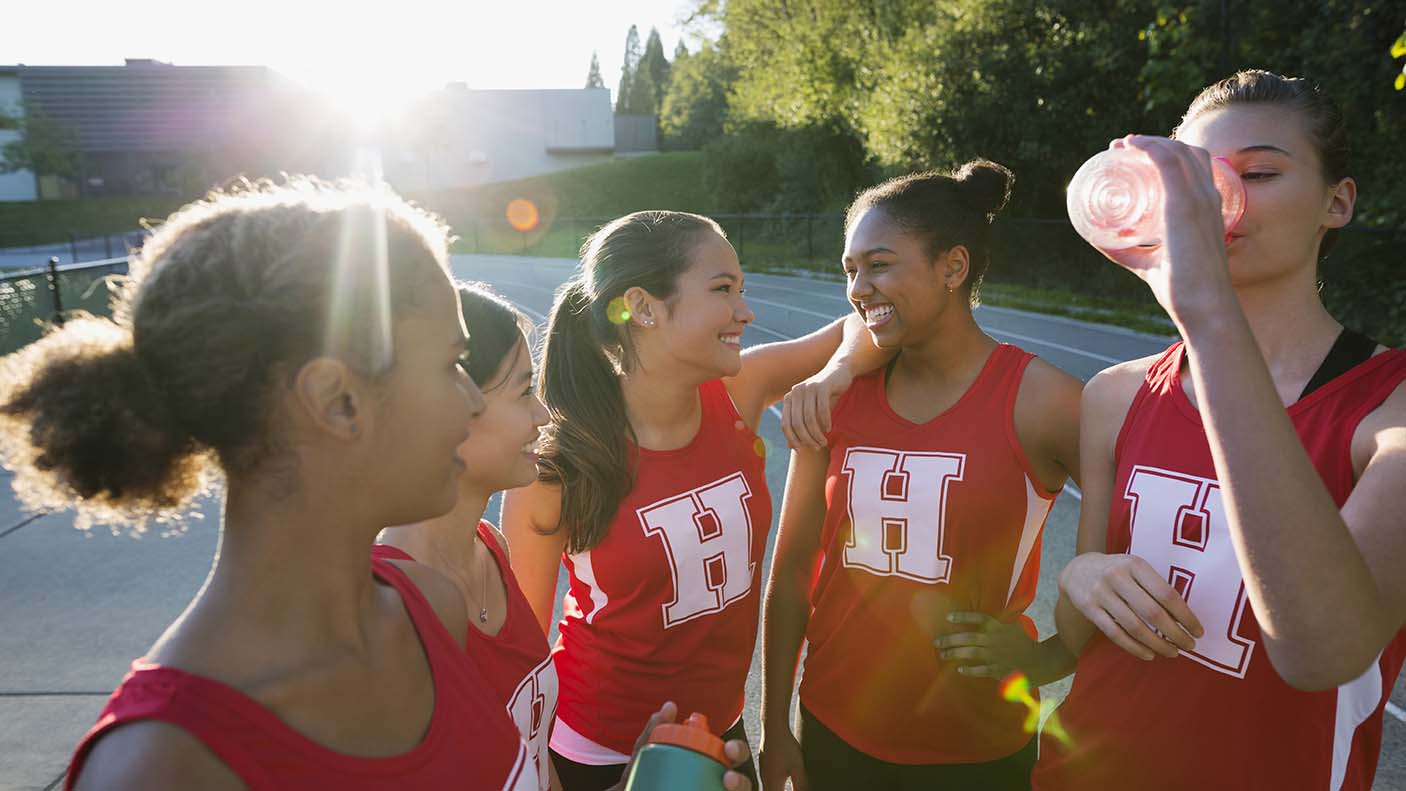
[
  {"x": 593, "y": 79},
  {"x": 656, "y": 66},
  {"x": 628, "y": 70}
]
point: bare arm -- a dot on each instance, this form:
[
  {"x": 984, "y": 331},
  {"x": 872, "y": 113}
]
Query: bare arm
[
  {"x": 528, "y": 514},
  {"x": 149, "y": 754},
  {"x": 788, "y": 612},
  {"x": 1329, "y": 600},
  {"x": 1120, "y": 595},
  {"x": 842, "y": 349},
  {"x": 1097, "y": 434}
]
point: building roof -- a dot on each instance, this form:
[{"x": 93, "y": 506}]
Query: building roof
[{"x": 150, "y": 106}]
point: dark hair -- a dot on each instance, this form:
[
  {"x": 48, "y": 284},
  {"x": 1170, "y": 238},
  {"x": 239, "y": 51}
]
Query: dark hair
[
  {"x": 1326, "y": 128},
  {"x": 584, "y": 449},
  {"x": 225, "y": 302},
  {"x": 496, "y": 327},
  {"x": 945, "y": 209}
]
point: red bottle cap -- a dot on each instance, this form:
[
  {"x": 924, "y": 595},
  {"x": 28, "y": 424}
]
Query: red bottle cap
[{"x": 692, "y": 734}]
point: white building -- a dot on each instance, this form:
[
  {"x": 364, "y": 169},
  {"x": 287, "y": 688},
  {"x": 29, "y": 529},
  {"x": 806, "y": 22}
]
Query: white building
[
  {"x": 20, "y": 185},
  {"x": 458, "y": 137}
]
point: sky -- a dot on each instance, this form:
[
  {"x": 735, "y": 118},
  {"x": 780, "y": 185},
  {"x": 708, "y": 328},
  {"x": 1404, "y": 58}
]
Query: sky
[{"x": 381, "y": 53}]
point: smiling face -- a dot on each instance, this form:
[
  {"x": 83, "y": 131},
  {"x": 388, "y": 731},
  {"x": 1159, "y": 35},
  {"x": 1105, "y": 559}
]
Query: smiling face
[
  {"x": 893, "y": 283},
  {"x": 427, "y": 409},
  {"x": 501, "y": 452},
  {"x": 1289, "y": 205},
  {"x": 699, "y": 328}
]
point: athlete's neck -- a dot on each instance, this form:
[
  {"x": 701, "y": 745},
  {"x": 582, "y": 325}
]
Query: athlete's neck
[
  {"x": 292, "y": 577},
  {"x": 951, "y": 355},
  {"x": 664, "y": 411},
  {"x": 446, "y": 543},
  {"x": 1292, "y": 328}
]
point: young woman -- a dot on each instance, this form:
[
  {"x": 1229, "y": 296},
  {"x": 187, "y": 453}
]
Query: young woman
[
  {"x": 654, "y": 484},
  {"x": 306, "y": 340},
  {"x": 1241, "y": 539},
  {"x": 925, "y": 513},
  {"x": 503, "y": 636}
]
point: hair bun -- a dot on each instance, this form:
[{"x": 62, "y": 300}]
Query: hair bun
[{"x": 984, "y": 185}]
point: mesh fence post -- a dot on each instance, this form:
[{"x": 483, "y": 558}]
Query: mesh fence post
[{"x": 53, "y": 277}]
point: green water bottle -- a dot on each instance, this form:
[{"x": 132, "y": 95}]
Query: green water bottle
[{"x": 680, "y": 757}]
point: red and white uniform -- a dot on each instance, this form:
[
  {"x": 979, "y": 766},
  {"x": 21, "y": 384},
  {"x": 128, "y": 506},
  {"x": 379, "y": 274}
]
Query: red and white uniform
[
  {"x": 665, "y": 607},
  {"x": 469, "y": 744},
  {"x": 922, "y": 520},
  {"x": 1218, "y": 717},
  {"x": 517, "y": 661}
]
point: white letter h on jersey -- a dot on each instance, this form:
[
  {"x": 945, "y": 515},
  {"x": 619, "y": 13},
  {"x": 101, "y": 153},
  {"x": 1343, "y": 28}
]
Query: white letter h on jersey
[
  {"x": 707, "y": 535},
  {"x": 1178, "y": 526},
  {"x": 897, "y": 512}
]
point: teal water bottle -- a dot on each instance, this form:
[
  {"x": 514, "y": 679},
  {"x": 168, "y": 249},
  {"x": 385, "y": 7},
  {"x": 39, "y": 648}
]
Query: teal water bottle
[{"x": 680, "y": 757}]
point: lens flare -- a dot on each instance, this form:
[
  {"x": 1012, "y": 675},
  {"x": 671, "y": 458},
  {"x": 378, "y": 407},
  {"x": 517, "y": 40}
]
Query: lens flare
[
  {"x": 523, "y": 214},
  {"x": 360, "y": 301},
  {"x": 1015, "y": 688},
  {"x": 616, "y": 311}
]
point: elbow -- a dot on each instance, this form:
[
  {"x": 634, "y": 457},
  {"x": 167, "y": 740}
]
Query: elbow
[{"x": 1315, "y": 671}]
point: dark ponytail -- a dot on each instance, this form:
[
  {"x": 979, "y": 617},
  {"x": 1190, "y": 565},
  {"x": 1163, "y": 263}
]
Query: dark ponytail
[
  {"x": 586, "y": 449},
  {"x": 946, "y": 210},
  {"x": 82, "y": 421}
]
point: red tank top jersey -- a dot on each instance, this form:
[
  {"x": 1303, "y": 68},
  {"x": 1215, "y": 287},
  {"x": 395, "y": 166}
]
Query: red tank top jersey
[
  {"x": 517, "y": 661},
  {"x": 1217, "y": 717},
  {"x": 469, "y": 743},
  {"x": 922, "y": 520},
  {"x": 665, "y": 606}
]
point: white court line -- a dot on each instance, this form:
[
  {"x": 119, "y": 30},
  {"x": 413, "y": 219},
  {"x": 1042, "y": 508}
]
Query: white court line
[
  {"x": 1052, "y": 345},
  {"x": 1396, "y": 711}
]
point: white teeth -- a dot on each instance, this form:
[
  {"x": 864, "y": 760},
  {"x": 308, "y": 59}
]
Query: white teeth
[
  {"x": 878, "y": 313},
  {"x": 731, "y": 339}
]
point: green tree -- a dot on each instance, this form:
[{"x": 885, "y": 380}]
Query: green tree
[
  {"x": 694, "y": 109},
  {"x": 629, "y": 67},
  {"x": 44, "y": 146},
  {"x": 593, "y": 79},
  {"x": 656, "y": 66}
]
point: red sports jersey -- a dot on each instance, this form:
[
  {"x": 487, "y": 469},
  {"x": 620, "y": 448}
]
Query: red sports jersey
[
  {"x": 1218, "y": 717},
  {"x": 922, "y": 520},
  {"x": 469, "y": 744},
  {"x": 665, "y": 606},
  {"x": 517, "y": 661}
]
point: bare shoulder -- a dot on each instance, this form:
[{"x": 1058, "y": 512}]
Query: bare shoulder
[
  {"x": 1048, "y": 389},
  {"x": 499, "y": 537},
  {"x": 1382, "y": 431},
  {"x": 538, "y": 503},
  {"x": 1117, "y": 384},
  {"x": 148, "y": 754},
  {"x": 441, "y": 594}
]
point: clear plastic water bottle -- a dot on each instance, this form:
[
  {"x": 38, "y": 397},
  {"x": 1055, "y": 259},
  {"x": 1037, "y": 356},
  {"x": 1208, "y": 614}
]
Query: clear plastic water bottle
[
  {"x": 1115, "y": 200},
  {"x": 679, "y": 757}
]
